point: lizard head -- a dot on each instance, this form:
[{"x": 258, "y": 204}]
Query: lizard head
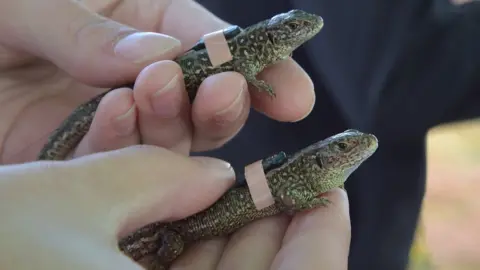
[
  {"x": 339, "y": 156},
  {"x": 324, "y": 165},
  {"x": 287, "y": 31}
]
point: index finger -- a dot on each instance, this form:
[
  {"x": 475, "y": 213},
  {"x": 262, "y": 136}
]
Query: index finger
[
  {"x": 295, "y": 95},
  {"x": 318, "y": 237}
]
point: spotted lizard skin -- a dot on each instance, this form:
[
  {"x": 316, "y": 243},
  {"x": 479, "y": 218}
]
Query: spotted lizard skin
[
  {"x": 252, "y": 48},
  {"x": 295, "y": 182}
]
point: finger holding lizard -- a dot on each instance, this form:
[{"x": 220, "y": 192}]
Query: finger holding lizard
[
  {"x": 318, "y": 237},
  {"x": 294, "y": 90},
  {"x": 70, "y": 214},
  {"x": 125, "y": 118},
  {"x": 219, "y": 109},
  {"x": 305, "y": 241}
]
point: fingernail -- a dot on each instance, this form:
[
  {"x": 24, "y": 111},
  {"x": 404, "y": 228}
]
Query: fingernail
[
  {"x": 164, "y": 105},
  {"x": 142, "y": 47},
  {"x": 233, "y": 111},
  {"x": 215, "y": 163},
  {"x": 125, "y": 123}
]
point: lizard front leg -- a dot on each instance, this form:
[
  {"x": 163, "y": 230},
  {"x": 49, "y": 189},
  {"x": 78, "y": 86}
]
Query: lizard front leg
[
  {"x": 262, "y": 86},
  {"x": 299, "y": 199},
  {"x": 249, "y": 69}
]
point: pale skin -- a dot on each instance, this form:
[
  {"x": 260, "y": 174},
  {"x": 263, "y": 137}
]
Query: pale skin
[{"x": 36, "y": 95}]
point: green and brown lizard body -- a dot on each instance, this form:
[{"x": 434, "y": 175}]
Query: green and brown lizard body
[
  {"x": 296, "y": 183},
  {"x": 253, "y": 49}
]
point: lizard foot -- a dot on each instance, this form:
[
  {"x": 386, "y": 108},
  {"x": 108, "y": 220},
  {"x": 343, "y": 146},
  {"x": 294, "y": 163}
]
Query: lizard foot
[
  {"x": 262, "y": 86},
  {"x": 171, "y": 247},
  {"x": 295, "y": 201}
]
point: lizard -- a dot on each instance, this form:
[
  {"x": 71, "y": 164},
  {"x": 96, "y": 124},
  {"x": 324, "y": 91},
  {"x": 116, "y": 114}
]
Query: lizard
[
  {"x": 296, "y": 182},
  {"x": 253, "y": 49}
]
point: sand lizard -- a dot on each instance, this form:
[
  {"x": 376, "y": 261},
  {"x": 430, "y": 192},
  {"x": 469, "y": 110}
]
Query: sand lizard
[
  {"x": 253, "y": 49},
  {"x": 295, "y": 182}
]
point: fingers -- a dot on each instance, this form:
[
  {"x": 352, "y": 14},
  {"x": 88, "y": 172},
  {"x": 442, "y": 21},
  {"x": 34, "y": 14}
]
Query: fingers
[
  {"x": 318, "y": 237},
  {"x": 295, "y": 96},
  {"x": 295, "y": 93},
  {"x": 203, "y": 255},
  {"x": 135, "y": 186},
  {"x": 255, "y": 245},
  {"x": 158, "y": 113},
  {"x": 251, "y": 247},
  {"x": 114, "y": 124},
  {"x": 91, "y": 48},
  {"x": 220, "y": 110},
  {"x": 164, "y": 108}
]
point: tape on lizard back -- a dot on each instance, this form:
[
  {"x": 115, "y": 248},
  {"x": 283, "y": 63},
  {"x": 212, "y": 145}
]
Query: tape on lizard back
[
  {"x": 258, "y": 185},
  {"x": 217, "y": 48}
]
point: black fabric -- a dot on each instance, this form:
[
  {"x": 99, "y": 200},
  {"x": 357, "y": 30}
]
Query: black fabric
[{"x": 394, "y": 68}]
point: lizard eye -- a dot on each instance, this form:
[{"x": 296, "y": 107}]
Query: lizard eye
[
  {"x": 292, "y": 25},
  {"x": 319, "y": 161},
  {"x": 342, "y": 146}
]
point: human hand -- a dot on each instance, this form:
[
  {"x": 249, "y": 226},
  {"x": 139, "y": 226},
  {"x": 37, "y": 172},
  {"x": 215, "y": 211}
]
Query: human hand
[
  {"x": 57, "y": 54},
  {"x": 71, "y": 214}
]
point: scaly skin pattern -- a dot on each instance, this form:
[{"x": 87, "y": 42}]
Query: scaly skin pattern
[
  {"x": 296, "y": 185},
  {"x": 253, "y": 49}
]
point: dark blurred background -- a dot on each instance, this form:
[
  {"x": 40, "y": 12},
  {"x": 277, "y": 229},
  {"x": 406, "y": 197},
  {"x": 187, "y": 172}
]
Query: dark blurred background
[{"x": 448, "y": 235}]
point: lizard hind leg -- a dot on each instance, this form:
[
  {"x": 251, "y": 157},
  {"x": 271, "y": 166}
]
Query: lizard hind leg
[{"x": 171, "y": 246}]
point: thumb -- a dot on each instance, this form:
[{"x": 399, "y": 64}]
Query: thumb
[
  {"x": 91, "y": 48},
  {"x": 140, "y": 185}
]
